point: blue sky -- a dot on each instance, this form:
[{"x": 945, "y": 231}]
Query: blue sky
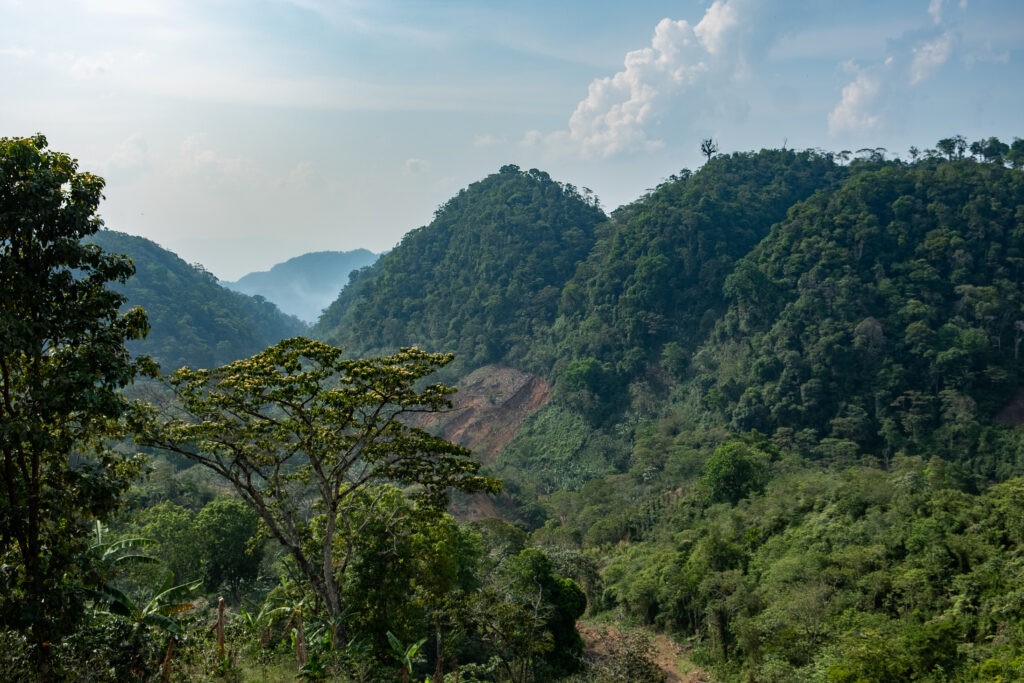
[{"x": 240, "y": 133}]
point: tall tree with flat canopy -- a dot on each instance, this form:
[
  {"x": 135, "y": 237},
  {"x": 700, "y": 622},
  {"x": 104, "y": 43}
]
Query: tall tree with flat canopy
[
  {"x": 62, "y": 363},
  {"x": 708, "y": 148},
  {"x": 303, "y": 434}
]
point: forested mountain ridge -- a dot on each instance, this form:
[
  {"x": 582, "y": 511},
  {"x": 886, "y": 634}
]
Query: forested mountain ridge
[
  {"x": 480, "y": 280},
  {"x": 752, "y": 410},
  {"x": 885, "y": 316},
  {"x": 193, "y": 320},
  {"x": 772, "y": 425},
  {"x": 652, "y": 285},
  {"x": 675, "y": 246},
  {"x": 305, "y": 285}
]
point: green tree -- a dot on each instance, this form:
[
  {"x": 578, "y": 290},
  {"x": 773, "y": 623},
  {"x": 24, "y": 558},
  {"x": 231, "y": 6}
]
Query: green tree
[
  {"x": 954, "y": 147},
  {"x": 708, "y": 147},
  {"x": 229, "y": 529},
  {"x": 527, "y": 614},
  {"x": 62, "y": 363},
  {"x": 300, "y": 432},
  {"x": 734, "y": 471}
]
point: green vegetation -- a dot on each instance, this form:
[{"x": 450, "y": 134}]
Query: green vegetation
[
  {"x": 298, "y": 426},
  {"x": 784, "y": 431},
  {"x": 652, "y": 286},
  {"x": 62, "y": 361},
  {"x": 194, "y": 321},
  {"x": 480, "y": 281},
  {"x": 883, "y": 317}
]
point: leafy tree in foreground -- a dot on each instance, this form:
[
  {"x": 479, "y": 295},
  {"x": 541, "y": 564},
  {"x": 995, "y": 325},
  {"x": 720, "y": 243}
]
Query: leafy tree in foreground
[
  {"x": 301, "y": 432},
  {"x": 62, "y": 363}
]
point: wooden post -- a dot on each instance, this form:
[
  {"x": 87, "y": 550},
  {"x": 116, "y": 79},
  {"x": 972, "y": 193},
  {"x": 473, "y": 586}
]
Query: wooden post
[{"x": 220, "y": 626}]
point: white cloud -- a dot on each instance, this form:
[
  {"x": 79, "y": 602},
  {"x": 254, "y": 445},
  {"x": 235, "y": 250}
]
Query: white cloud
[
  {"x": 488, "y": 141},
  {"x": 16, "y": 52},
  {"x": 196, "y": 158},
  {"x": 92, "y": 67},
  {"x": 620, "y": 111},
  {"x": 930, "y": 56},
  {"x": 414, "y": 166},
  {"x": 880, "y": 90},
  {"x": 717, "y": 22},
  {"x": 855, "y": 109},
  {"x": 131, "y": 153}
]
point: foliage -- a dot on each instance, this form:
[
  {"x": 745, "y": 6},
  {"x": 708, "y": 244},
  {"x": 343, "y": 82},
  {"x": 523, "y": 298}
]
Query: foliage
[
  {"x": 863, "y": 318},
  {"x": 554, "y": 450},
  {"x": 194, "y": 320},
  {"x": 480, "y": 280},
  {"x": 734, "y": 471},
  {"x": 653, "y": 281},
  {"x": 219, "y": 544},
  {"x": 841, "y": 575},
  {"x": 885, "y": 316},
  {"x": 299, "y": 426},
  {"x": 62, "y": 361},
  {"x": 526, "y": 616}
]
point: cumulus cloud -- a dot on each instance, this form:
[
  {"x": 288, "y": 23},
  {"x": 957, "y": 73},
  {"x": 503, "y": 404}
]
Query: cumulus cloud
[
  {"x": 712, "y": 30},
  {"x": 855, "y": 108},
  {"x": 911, "y": 60},
  {"x": 930, "y": 56},
  {"x": 620, "y": 111}
]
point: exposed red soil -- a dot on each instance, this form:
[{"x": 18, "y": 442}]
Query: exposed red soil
[
  {"x": 488, "y": 411},
  {"x": 490, "y": 406},
  {"x": 603, "y": 640}
]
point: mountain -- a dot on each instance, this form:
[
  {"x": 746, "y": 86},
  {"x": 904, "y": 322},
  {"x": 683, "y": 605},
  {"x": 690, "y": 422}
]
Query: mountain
[
  {"x": 481, "y": 280},
  {"x": 193, "y": 320},
  {"x": 885, "y": 316},
  {"x": 651, "y": 288},
  {"x": 871, "y": 307},
  {"x": 766, "y": 408},
  {"x": 305, "y": 285}
]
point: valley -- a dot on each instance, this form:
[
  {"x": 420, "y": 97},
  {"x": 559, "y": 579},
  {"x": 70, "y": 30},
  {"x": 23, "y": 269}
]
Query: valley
[{"x": 767, "y": 414}]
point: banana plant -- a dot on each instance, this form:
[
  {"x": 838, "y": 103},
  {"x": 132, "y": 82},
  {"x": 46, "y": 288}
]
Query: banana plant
[
  {"x": 160, "y": 611},
  {"x": 404, "y": 654},
  {"x": 111, "y": 557},
  {"x": 259, "y": 620}
]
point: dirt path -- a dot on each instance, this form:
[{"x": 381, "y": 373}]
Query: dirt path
[{"x": 604, "y": 640}]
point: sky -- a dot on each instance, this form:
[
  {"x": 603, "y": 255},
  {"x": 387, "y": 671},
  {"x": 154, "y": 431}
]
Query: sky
[{"x": 241, "y": 133}]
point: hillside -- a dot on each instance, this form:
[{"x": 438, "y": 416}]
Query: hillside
[
  {"x": 656, "y": 273},
  {"x": 781, "y": 422},
  {"x": 481, "y": 280},
  {"x": 883, "y": 317},
  {"x": 193, "y": 320},
  {"x": 305, "y": 285}
]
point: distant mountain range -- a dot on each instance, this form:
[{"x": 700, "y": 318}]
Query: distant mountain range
[{"x": 305, "y": 285}]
